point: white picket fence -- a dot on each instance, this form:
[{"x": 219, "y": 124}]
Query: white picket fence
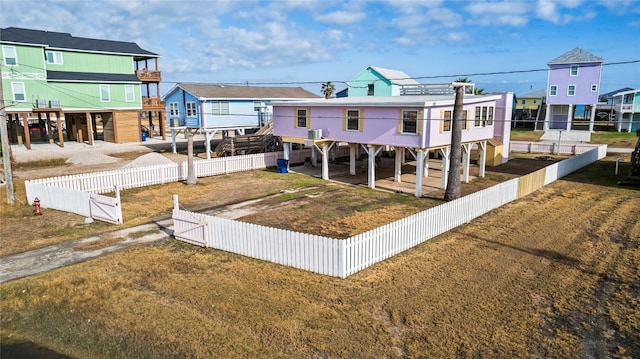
[
  {"x": 341, "y": 258},
  {"x": 72, "y": 193},
  {"x": 550, "y": 147}
]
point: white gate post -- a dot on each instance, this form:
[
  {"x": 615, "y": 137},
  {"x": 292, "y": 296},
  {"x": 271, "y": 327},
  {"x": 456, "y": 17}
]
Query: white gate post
[{"x": 118, "y": 205}]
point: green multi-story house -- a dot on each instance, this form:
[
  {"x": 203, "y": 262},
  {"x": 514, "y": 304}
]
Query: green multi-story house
[{"x": 91, "y": 89}]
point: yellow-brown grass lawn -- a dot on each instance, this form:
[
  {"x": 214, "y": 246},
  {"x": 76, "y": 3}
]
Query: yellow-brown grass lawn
[{"x": 553, "y": 275}]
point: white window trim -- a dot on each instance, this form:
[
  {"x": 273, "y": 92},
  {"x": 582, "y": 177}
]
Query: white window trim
[
  {"x": 14, "y": 92},
  {"x": 55, "y": 62},
  {"x": 219, "y": 108},
  {"x": 108, "y": 93},
  {"x": 553, "y": 87},
  {"x": 172, "y": 106},
  {"x": 129, "y": 90},
  {"x": 347, "y": 127},
  {"x": 574, "y": 90},
  {"x": 306, "y": 117},
  {"x": 191, "y": 109},
  {"x": 577, "y": 67},
  {"x": 4, "y": 55},
  {"x": 416, "y": 124}
]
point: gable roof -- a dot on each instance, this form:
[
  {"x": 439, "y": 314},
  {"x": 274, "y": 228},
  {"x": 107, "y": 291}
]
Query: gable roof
[
  {"x": 396, "y": 77},
  {"x": 574, "y": 56},
  {"x": 534, "y": 94},
  {"x": 219, "y": 91},
  {"x": 61, "y": 40}
]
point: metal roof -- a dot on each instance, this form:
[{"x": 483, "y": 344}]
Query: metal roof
[
  {"x": 391, "y": 101},
  {"x": 61, "y": 40},
  {"x": 534, "y": 94},
  {"x": 219, "y": 91},
  {"x": 66, "y": 76},
  {"x": 395, "y": 76},
  {"x": 574, "y": 56}
]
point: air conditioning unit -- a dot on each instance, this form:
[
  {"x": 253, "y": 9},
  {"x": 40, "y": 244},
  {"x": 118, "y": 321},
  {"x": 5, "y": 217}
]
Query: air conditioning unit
[
  {"x": 54, "y": 103},
  {"x": 41, "y": 103},
  {"x": 315, "y": 134}
]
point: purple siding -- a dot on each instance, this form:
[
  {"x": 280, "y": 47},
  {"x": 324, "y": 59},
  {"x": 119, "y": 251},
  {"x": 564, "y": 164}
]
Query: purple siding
[
  {"x": 588, "y": 75},
  {"x": 380, "y": 124}
]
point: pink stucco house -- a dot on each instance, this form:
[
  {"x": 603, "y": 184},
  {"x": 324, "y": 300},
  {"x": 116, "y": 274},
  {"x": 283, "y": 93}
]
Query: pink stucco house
[{"x": 415, "y": 123}]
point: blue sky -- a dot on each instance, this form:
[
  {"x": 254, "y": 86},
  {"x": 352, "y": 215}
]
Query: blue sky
[{"x": 304, "y": 43}]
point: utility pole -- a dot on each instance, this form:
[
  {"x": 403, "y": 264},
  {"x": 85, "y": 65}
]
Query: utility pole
[{"x": 6, "y": 150}]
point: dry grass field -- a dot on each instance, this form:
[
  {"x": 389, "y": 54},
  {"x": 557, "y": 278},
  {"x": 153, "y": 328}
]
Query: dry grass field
[{"x": 553, "y": 275}]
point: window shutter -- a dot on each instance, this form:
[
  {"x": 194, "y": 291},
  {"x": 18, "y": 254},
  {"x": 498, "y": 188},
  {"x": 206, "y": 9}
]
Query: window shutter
[
  {"x": 441, "y": 121},
  {"x": 308, "y": 118},
  {"x": 344, "y": 119},
  {"x": 419, "y": 121},
  {"x": 295, "y": 117},
  {"x": 399, "y": 120},
  {"x": 361, "y": 119}
]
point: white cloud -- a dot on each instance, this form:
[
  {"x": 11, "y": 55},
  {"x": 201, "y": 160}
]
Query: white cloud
[
  {"x": 499, "y": 13},
  {"x": 340, "y": 17}
]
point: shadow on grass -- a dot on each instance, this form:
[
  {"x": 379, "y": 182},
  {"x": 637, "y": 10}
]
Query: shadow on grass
[{"x": 28, "y": 350}]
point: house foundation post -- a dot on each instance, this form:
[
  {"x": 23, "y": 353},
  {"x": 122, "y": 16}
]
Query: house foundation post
[
  {"x": 398, "y": 166},
  {"x": 325, "y": 161},
  {"x": 420, "y": 156},
  {"x": 482, "y": 162},
  {"x": 446, "y": 154},
  {"x": 371, "y": 168},
  {"x": 352, "y": 159},
  {"x": 466, "y": 161}
]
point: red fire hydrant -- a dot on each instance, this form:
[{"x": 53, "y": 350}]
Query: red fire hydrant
[{"x": 36, "y": 207}]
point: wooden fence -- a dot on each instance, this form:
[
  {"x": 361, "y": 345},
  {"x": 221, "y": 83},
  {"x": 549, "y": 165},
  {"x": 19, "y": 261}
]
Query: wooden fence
[{"x": 341, "y": 258}]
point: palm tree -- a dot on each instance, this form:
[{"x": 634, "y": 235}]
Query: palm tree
[
  {"x": 453, "y": 180},
  {"x": 478, "y": 91},
  {"x": 328, "y": 89}
]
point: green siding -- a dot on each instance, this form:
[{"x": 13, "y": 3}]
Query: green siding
[
  {"x": 31, "y": 72},
  {"x": 30, "y": 60},
  {"x": 88, "y": 62},
  {"x": 358, "y": 85}
]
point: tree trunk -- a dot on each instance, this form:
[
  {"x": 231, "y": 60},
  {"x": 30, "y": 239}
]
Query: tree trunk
[
  {"x": 453, "y": 181},
  {"x": 191, "y": 171}
]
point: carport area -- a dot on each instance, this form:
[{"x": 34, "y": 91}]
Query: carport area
[{"x": 384, "y": 175}]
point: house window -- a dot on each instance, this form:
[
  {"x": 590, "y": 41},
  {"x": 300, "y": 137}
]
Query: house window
[
  {"x": 173, "y": 109},
  {"x": 553, "y": 90},
  {"x": 301, "y": 117},
  {"x": 129, "y": 94},
  {"x": 191, "y": 109},
  {"x": 10, "y": 57},
  {"x": 490, "y": 116},
  {"x": 370, "y": 89},
  {"x": 54, "y": 57},
  {"x": 105, "y": 93},
  {"x": 594, "y": 88},
  {"x": 477, "y": 121},
  {"x": 571, "y": 90},
  {"x": 464, "y": 119},
  {"x": 484, "y": 116},
  {"x": 220, "y": 107},
  {"x": 409, "y": 121},
  {"x": 353, "y": 120},
  {"x": 574, "y": 70},
  {"x": 19, "y": 94},
  {"x": 524, "y": 101},
  {"x": 446, "y": 121},
  {"x": 535, "y": 102}
]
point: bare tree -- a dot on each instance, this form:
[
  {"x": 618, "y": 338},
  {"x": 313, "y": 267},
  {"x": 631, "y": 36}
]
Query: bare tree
[
  {"x": 191, "y": 171},
  {"x": 453, "y": 180}
]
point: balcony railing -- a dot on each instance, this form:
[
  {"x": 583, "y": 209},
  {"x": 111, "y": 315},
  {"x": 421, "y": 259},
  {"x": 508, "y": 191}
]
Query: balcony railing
[
  {"x": 149, "y": 76},
  {"x": 152, "y": 102}
]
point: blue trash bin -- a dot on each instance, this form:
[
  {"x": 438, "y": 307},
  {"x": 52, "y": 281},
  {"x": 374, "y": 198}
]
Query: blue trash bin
[
  {"x": 282, "y": 165},
  {"x": 144, "y": 136}
]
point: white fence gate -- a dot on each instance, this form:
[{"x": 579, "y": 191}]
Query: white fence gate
[{"x": 106, "y": 209}]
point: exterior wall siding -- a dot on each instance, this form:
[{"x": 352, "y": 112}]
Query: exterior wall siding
[
  {"x": 559, "y": 75},
  {"x": 381, "y": 125},
  {"x": 358, "y": 86},
  {"x": 90, "y": 62}
]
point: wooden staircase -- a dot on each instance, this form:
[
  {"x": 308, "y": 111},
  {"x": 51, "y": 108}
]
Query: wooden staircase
[{"x": 260, "y": 142}]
